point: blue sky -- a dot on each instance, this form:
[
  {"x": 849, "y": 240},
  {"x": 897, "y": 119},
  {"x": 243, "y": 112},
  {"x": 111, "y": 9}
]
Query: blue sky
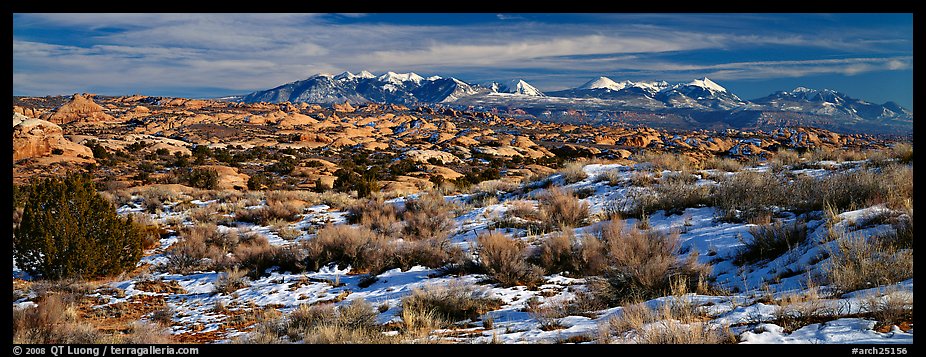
[{"x": 867, "y": 56}]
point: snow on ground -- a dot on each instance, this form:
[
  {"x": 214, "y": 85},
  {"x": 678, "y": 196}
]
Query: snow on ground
[{"x": 716, "y": 243}]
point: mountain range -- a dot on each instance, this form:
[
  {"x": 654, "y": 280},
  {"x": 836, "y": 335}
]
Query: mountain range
[{"x": 700, "y": 103}]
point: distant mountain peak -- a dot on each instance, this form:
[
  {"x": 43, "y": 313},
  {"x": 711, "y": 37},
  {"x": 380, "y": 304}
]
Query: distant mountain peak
[
  {"x": 707, "y": 83},
  {"x": 399, "y": 78},
  {"x": 519, "y": 86},
  {"x": 605, "y": 83}
]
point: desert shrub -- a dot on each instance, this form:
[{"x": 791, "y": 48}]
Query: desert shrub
[
  {"x": 892, "y": 309},
  {"x": 70, "y": 230},
  {"x": 644, "y": 264},
  {"x": 202, "y": 178},
  {"x": 450, "y": 303},
  {"x": 162, "y": 316},
  {"x": 558, "y": 253},
  {"x": 675, "y": 321},
  {"x": 722, "y": 164},
  {"x": 150, "y": 230},
  {"x": 903, "y": 152},
  {"x": 547, "y": 313},
  {"x": 432, "y": 253},
  {"x": 666, "y": 161},
  {"x": 561, "y": 208},
  {"x": 365, "y": 184},
  {"x": 144, "y": 333},
  {"x": 260, "y": 181},
  {"x": 891, "y": 185},
  {"x": 231, "y": 280},
  {"x": 505, "y": 260},
  {"x": 866, "y": 262},
  {"x": 612, "y": 177},
  {"x": 374, "y": 213},
  {"x": 356, "y": 246},
  {"x": 564, "y": 253},
  {"x": 288, "y": 211},
  {"x": 429, "y": 216},
  {"x": 573, "y": 172},
  {"x": 200, "y": 248},
  {"x": 770, "y": 241},
  {"x": 354, "y": 323},
  {"x": 747, "y": 195},
  {"x": 256, "y": 255},
  {"x": 52, "y": 321},
  {"x": 672, "y": 196}
]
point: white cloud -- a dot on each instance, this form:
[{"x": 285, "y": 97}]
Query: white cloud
[{"x": 243, "y": 52}]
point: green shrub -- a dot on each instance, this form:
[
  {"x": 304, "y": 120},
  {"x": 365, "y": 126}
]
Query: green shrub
[
  {"x": 206, "y": 179},
  {"x": 70, "y": 230}
]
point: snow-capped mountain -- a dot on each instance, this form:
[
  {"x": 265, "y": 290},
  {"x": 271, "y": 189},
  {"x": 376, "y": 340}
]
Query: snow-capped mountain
[
  {"x": 515, "y": 86},
  {"x": 690, "y": 102},
  {"x": 391, "y": 87},
  {"x": 832, "y": 103},
  {"x": 699, "y": 94}
]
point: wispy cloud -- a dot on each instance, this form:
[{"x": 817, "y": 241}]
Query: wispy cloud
[
  {"x": 506, "y": 17},
  {"x": 243, "y": 52}
]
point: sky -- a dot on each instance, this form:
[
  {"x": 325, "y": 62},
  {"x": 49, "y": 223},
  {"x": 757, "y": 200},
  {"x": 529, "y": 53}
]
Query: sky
[{"x": 866, "y": 56}]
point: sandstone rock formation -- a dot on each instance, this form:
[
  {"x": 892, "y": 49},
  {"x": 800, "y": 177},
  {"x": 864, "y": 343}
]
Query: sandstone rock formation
[
  {"x": 81, "y": 108},
  {"x": 37, "y": 138}
]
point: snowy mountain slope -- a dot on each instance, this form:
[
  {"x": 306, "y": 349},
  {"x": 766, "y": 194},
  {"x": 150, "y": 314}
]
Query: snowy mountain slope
[
  {"x": 833, "y": 103},
  {"x": 600, "y": 98},
  {"x": 515, "y": 86}
]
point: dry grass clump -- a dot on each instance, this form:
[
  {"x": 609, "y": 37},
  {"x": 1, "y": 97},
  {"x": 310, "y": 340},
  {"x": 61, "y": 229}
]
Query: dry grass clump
[
  {"x": 354, "y": 323},
  {"x": 231, "y": 280},
  {"x": 288, "y": 211},
  {"x": 141, "y": 333},
  {"x": 798, "y": 310},
  {"x": 494, "y": 187},
  {"x": 52, "y": 321},
  {"x": 561, "y": 208},
  {"x": 548, "y": 313},
  {"x": 771, "y": 240},
  {"x": 722, "y": 164},
  {"x": 671, "y": 196},
  {"x": 429, "y": 216},
  {"x": 903, "y": 152},
  {"x": 667, "y": 161},
  {"x": 893, "y": 309},
  {"x": 558, "y": 253},
  {"x": 783, "y": 158},
  {"x": 505, "y": 260},
  {"x": 573, "y": 172},
  {"x": 447, "y": 304},
  {"x": 612, "y": 177},
  {"x": 866, "y": 262},
  {"x": 675, "y": 321},
  {"x": 891, "y": 185}
]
